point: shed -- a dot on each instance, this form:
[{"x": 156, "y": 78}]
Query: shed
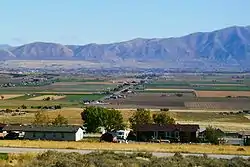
[{"x": 60, "y": 133}]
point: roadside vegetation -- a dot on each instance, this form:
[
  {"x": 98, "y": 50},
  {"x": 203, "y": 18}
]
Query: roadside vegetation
[{"x": 111, "y": 159}]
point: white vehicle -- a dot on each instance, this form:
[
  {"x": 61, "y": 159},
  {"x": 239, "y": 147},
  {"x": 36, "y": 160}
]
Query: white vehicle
[{"x": 122, "y": 134}]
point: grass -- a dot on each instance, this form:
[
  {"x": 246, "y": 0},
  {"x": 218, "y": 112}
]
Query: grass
[
  {"x": 10, "y": 96},
  {"x": 72, "y": 114},
  {"x": 218, "y": 85},
  {"x": 14, "y": 104},
  {"x": 234, "y": 122},
  {"x": 73, "y": 79},
  {"x": 83, "y": 97},
  {"x": 209, "y": 116},
  {"x": 150, "y": 147},
  {"x": 4, "y": 156},
  {"x": 41, "y": 98},
  {"x": 25, "y": 97}
]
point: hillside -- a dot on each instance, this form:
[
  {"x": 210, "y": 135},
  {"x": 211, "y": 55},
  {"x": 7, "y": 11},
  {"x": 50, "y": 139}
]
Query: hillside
[{"x": 225, "y": 47}]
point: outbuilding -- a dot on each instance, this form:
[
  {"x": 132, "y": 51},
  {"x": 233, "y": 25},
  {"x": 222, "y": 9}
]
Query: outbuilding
[{"x": 59, "y": 133}]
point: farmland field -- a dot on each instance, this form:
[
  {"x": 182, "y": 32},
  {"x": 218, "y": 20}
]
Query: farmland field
[
  {"x": 218, "y": 105},
  {"x": 196, "y": 94},
  {"x": 78, "y": 97},
  {"x": 170, "y": 90},
  {"x": 51, "y": 97},
  {"x": 222, "y": 93},
  {"x": 9, "y": 96}
]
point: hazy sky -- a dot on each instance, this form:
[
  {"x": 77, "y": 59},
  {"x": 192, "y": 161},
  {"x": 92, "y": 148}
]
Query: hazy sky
[{"x": 105, "y": 21}]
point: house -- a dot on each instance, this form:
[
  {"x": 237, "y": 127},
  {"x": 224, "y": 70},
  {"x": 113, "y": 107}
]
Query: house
[
  {"x": 44, "y": 132},
  {"x": 59, "y": 133},
  {"x": 172, "y": 132}
]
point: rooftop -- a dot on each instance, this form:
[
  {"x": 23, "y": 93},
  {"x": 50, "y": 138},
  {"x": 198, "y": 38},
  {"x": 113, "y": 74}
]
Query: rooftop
[
  {"x": 168, "y": 127},
  {"x": 42, "y": 128}
]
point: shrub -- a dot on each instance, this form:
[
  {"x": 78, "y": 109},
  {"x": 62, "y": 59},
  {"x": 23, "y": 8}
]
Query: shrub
[
  {"x": 164, "y": 109},
  {"x": 179, "y": 94},
  {"x": 144, "y": 155},
  {"x": 241, "y": 149},
  {"x": 3, "y": 156},
  {"x": 8, "y": 110},
  {"x": 178, "y": 155}
]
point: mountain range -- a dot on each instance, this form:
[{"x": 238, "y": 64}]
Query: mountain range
[{"x": 225, "y": 47}]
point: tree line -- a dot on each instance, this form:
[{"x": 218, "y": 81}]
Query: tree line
[
  {"x": 42, "y": 119},
  {"x": 111, "y": 119}
]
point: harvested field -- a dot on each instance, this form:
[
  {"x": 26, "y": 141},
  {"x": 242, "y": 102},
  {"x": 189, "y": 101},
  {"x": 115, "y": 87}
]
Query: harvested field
[
  {"x": 232, "y": 105},
  {"x": 46, "y": 96},
  {"x": 10, "y": 96},
  {"x": 225, "y": 126},
  {"x": 222, "y": 93},
  {"x": 177, "y": 90},
  {"x": 148, "y": 100}
]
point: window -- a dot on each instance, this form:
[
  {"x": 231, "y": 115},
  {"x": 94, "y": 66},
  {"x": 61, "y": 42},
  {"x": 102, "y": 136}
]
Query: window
[
  {"x": 62, "y": 135},
  {"x": 177, "y": 134},
  {"x": 44, "y": 135},
  {"x": 54, "y": 135},
  {"x": 34, "y": 134},
  {"x": 168, "y": 134}
]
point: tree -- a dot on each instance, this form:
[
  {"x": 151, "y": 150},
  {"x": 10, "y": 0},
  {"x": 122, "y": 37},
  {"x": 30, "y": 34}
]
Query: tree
[
  {"x": 162, "y": 118},
  {"x": 60, "y": 120},
  {"x": 113, "y": 120},
  {"x": 92, "y": 117},
  {"x": 212, "y": 135},
  {"x": 47, "y": 99},
  {"x": 24, "y": 107},
  {"x": 95, "y": 117},
  {"x": 41, "y": 118},
  {"x": 140, "y": 117}
]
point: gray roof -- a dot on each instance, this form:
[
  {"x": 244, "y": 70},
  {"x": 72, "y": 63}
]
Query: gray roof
[
  {"x": 168, "y": 127},
  {"x": 42, "y": 128}
]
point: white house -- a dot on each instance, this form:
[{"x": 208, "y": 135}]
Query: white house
[
  {"x": 45, "y": 132},
  {"x": 60, "y": 133}
]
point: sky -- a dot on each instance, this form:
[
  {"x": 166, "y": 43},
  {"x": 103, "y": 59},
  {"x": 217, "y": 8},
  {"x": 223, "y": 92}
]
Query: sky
[{"x": 106, "y": 21}]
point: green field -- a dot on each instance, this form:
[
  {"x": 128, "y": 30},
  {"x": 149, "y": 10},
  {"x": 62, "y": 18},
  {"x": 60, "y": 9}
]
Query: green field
[
  {"x": 198, "y": 85},
  {"x": 73, "y": 97}
]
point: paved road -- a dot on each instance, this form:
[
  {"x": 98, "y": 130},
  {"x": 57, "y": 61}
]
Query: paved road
[
  {"x": 115, "y": 93},
  {"x": 157, "y": 154}
]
